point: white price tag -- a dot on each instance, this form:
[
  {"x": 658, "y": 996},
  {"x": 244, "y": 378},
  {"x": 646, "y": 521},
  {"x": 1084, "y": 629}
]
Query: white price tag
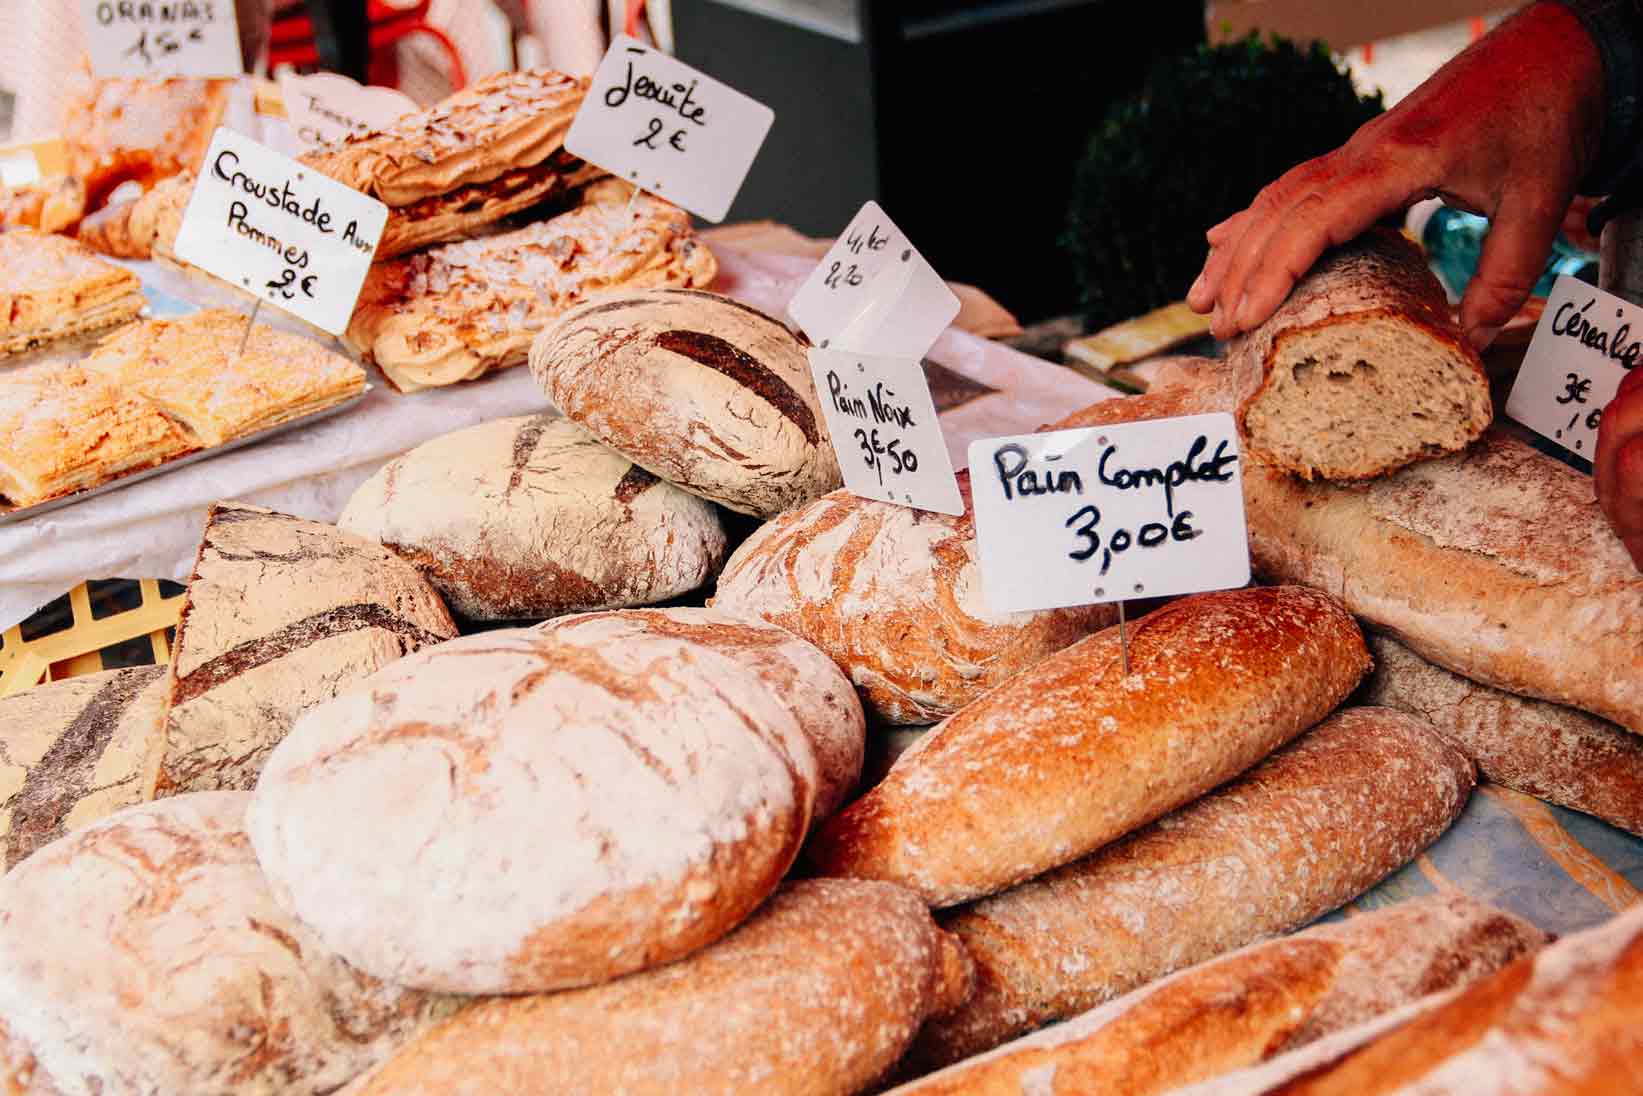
[
  {"x": 874, "y": 292},
  {"x": 280, "y": 230},
  {"x": 1583, "y": 346},
  {"x": 162, "y": 38},
  {"x": 1077, "y": 517},
  {"x": 661, "y": 125},
  {"x": 19, "y": 168},
  {"x": 327, "y": 107},
  {"x": 884, "y": 429}
]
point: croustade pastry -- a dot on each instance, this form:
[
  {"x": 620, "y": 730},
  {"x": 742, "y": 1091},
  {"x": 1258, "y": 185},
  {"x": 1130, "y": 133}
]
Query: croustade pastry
[{"x": 52, "y": 287}]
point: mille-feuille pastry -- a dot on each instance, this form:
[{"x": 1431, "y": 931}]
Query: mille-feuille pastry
[
  {"x": 492, "y": 149},
  {"x": 51, "y": 204},
  {"x": 193, "y": 369},
  {"x": 52, "y": 287},
  {"x": 64, "y": 428},
  {"x": 456, "y": 312}
]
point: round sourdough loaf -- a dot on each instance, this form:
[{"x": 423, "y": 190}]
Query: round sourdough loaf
[
  {"x": 703, "y": 391},
  {"x": 527, "y": 518},
  {"x": 145, "y": 953},
  {"x": 528, "y": 810},
  {"x": 893, "y": 595}
]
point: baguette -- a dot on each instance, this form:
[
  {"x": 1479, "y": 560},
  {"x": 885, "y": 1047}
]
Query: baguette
[
  {"x": 1311, "y": 828},
  {"x": 1073, "y": 753},
  {"x": 1240, "y": 1009}
]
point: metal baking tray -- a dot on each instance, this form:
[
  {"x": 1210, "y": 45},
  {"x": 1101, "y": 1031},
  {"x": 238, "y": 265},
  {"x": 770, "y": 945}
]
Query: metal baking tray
[{"x": 129, "y": 478}]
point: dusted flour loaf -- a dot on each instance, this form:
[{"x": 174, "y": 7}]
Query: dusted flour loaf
[
  {"x": 705, "y": 392},
  {"x": 145, "y": 953},
  {"x": 1309, "y": 829},
  {"x": 818, "y": 993},
  {"x": 74, "y": 751},
  {"x": 527, "y": 518},
  {"x": 528, "y": 810},
  {"x": 893, "y": 595},
  {"x": 1073, "y": 753},
  {"x": 1361, "y": 371},
  {"x": 1243, "y": 1008},
  {"x": 281, "y": 614}
]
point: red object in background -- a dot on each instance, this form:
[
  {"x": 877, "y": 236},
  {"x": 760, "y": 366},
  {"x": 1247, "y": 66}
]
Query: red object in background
[{"x": 292, "y": 41}]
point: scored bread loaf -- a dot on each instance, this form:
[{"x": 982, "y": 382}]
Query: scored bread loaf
[
  {"x": 1495, "y": 563},
  {"x": 1546, "y": 750},
  {"x": 1309, "y": 829},
  {"x": 704, "y": 391},
  {"x": 1360, "y": 371},
  {"x": 144, "y": 953},
  {"x": 1239, "y": 1009},
  {"x": 528, "y": 810},
  {"x": 527, "y": 518},
  {"x": 893, "y": 595},
  {"x": 280, "y": 614},
  {"x": 1073, "y": 753},
  {"x": 818, "y": 993},
  {"x": 73, "y": 751}
]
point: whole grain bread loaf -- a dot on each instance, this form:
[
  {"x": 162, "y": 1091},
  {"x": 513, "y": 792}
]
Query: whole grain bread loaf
[
  {"x": 893, "y": 595},
  {"x": 144, "y": 953},
  {"x": 528, "y": 810},
  {"x": 818, "y": 993},
  {"x": 704, "y": 391},
  {"x": 281, "y": 614},
  {"x": 1260, "y": 1001},
  {"x": 1309, "y": 829},
  {"x": 527, "y": 518},
  {"x": 1074, "y": 753},
  {"x": 74, "y": 751}
]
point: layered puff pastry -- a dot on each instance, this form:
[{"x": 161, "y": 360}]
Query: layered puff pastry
[
  {"x": 194, "y": 370},
  {"x": 52, "y": 287},
  {"x": 456, "y": 312}
]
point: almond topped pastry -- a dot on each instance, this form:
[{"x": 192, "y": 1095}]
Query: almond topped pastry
[{"x": 52, "y": 287}]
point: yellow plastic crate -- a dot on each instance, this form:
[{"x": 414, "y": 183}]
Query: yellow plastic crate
[{"x": 78, "y": 648}]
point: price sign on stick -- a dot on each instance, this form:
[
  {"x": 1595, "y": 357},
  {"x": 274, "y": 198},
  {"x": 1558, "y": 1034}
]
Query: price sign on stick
[
  {"x": 327, "y": 107},
  {"x": 873, "y": 292},
  {"x": 883, "y": 425},
  {"x": 668, "y": 129},
  {"x": 160, "y": 39},
  {"x": 1077, "y": 517},
  {"x": 1583, "y": 346},
  {"x": 280, "y": 230}
]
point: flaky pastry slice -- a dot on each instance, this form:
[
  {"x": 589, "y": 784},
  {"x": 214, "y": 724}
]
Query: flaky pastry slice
[
  {"x": 459, "y": 311},
  {"x": 52, "y": 287},
  {"x": 64, "y": 428},
  {"x": 192, "y": 368}
]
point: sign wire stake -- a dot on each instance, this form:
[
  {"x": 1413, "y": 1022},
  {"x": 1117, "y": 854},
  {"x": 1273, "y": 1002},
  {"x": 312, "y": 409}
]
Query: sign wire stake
[
  {"x": 633, "y": 199},
  {"x": 1123, "y": 638},
  {"x": 249, "y": 320}
]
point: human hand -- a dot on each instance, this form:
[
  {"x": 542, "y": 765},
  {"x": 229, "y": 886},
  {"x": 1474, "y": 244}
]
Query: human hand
[
  {"x": 1619, "y": 464},
  {"x": 1506, "y": 129}
]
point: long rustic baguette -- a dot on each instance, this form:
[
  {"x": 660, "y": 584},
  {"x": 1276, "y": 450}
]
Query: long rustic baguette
[
  {"x": 1240, "y": 1009},
  {"x": 1073, "y": 753},
  {"x": 1546, "y": 750},
  {"x": 1309, "y": 829}
]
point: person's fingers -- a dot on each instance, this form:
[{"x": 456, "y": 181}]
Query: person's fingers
[
  {"x": 1514, "y": 256},
  {"x": 1621, "y": 425},
  {"x": 1202, "y": 296}
]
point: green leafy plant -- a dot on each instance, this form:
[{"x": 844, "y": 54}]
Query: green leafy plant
[{"x": 1206, "y": 132}]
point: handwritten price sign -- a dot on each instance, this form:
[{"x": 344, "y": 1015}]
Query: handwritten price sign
[
  {"x": 297, "y": 239},
  {"x": 327, "y": 107},
  {"x": 1584, "y": 344},
  {"x": 1078, "y": 517},
  {"x": 162, "y": 38},
  {"x": 663, "y": 126}
]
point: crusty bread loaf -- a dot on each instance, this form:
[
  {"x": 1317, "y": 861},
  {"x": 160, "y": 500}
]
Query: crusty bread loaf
[
  {"x": 893, "y": 595},
  {"x": 527, "y": 518},
  {"x": 1549, "y": 751},
  {"x": 74, "y": 751},
  {"x": 521, "y": 811},
  {"x": 281, "y": 614},
  {"x": 1361, "y": 370},
  {"x": 1495, "y": 563},
  {"x": 1073, "y": 753},
  {"x": 818, "y": 993},
  {"x": 702, "y": 390},
  {"x": 1239, "y": 1009},
  {"x": 144, "y": 953},
  {"x": 1309, "y": 829},
  {"x": 1562, "y": 1021}
]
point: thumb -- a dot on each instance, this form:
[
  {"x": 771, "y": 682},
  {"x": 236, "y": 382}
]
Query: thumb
[{"x": 1514, "y": 256}]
